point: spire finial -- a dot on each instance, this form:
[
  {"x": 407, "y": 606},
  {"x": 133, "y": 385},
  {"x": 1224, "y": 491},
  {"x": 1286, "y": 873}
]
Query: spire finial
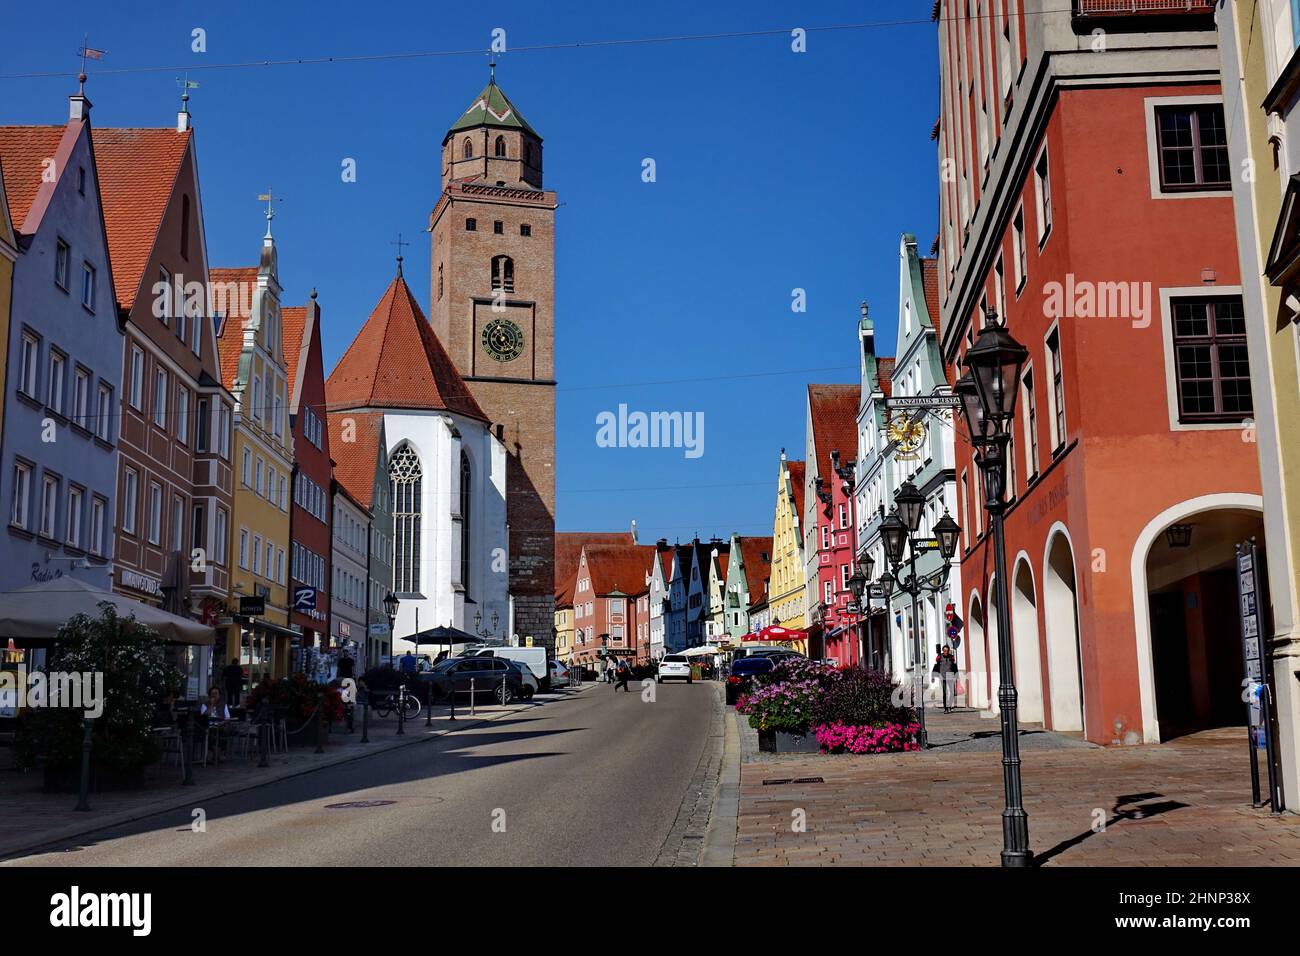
[
  {"x": 492, "y": 72},
  {"x": 399, "y": 243},
  {"x": 268, "y": 197}
]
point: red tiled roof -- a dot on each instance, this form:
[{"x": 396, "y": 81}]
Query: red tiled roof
[
  {"x": 568, "y": 552},
  {"x": 797, "y": 473},
  {"x": 885, "y": 375},
  {"x": 293, "y": 328},
  {"x": 723, "y": 559},
  {"x": 355, "y": 460},
  {"x": 230, "y": 340},
  {"x": 23, "y": 152},
  {"x": 137, "y": 171},
  {"x": 619, "y": 567},
  {"x": 834, "y": 413},
  {"x": 396, "y": 361},
  {"x": 757, "y": 569}
]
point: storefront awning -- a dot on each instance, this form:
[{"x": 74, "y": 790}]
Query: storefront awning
[{"x": 36, "y": 612}]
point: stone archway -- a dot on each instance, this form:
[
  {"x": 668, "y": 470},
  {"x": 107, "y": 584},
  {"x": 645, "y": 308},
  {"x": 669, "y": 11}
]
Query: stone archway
[
  {"x": 1061, "y": 621},
  {"x": 1024, "y": 644},
  {"x": 1186, "y": 620}
]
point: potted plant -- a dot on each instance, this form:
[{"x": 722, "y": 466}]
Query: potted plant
[
  {"x": 858, "y": 715},
  {"x": 135, "y": 678},
  {"x": 782, "y": 707},
  {"x": 299, "y": 702}
]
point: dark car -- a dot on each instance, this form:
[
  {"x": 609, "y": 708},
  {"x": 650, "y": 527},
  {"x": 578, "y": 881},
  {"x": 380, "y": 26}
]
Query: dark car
[
  {"x": 488, "y": 677},
  {"x": 743, "y": 671}
]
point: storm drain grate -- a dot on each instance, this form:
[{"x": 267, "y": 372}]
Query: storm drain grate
[
  {"x": 780, "y": 780},
  {"x": 359, "y": 804}
]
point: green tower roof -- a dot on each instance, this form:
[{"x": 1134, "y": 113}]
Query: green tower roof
[{"x": 492, "y": 108}]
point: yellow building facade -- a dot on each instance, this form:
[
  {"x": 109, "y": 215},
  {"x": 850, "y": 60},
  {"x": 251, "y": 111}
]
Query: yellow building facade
[
  {"x": 787, "y": 591},
  {"x": 254, "y": 370}
]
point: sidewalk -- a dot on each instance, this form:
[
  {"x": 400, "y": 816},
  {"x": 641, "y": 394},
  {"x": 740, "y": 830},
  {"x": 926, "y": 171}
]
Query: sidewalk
[
  {"x": 1183, "y": 803},
  {"x": 30, "y": 818}
]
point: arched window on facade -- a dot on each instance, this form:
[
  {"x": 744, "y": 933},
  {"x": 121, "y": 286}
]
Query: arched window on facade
[
  {"x": 406, "y": 480},
  {"x": 468, "y": 150},
  {"x": 499, "y": 149},
  {"x": 503, "y": 274},
  {"x": 465, "y": 501}
]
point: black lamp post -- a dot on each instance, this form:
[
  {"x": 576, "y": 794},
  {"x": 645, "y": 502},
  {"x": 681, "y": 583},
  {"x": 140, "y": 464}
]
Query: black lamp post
[
  {"x": 899, "y": 533},
  {"x": 993, "y": 366}
]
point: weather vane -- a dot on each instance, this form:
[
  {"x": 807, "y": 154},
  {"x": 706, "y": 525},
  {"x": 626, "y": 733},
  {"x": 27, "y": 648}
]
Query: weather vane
[
  {"x": 87, "y": 52},
  {"x": 399, "y": 243}
]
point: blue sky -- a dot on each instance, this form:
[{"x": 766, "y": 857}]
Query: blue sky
[{"x": 775, "y": 171}]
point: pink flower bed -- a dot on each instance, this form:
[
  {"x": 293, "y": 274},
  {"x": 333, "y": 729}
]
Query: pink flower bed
[{"x": 845, "y": 738}]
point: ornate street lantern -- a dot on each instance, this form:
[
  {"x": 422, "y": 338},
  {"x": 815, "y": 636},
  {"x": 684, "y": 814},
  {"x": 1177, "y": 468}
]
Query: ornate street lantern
[
  {"x": 995, "y": 361},
  {"x": 947, "y": 531},
  {"x": 977, "y": 427},
  {"x": 866, "y": 565},
  {"x": 390, "y": 607},
  {"x": 911, "y": 505},
  {"x": 1179, "y": 535},
  {"x": 893, "y": 534},
  {"x": 886, "y": 583}
]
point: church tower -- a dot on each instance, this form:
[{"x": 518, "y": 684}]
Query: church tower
[{"x": 492, "y": 306}]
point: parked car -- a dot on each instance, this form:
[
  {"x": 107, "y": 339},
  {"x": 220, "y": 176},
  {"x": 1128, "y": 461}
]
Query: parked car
[
  {"x": 530, "y": 658},
  {"x": 559, "y": 675},
  {"x": 743, "y": 672},
  {"x": 674, "y": 667},
  {"x": 489, "y": 675},
  {"x": 531, "y": 684},
  {"x": 776, "y": 654}
]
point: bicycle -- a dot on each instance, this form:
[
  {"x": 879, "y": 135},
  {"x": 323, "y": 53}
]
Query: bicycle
[{"x": 389, "y": 701}]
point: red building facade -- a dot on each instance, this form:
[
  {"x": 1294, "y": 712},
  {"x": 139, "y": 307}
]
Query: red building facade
[
  {"x": 312, "y": 512},
  {"x": 611, "y": 580},
  {"x": 1085, "y": 196},
  {"x": 831, "y": 453}
]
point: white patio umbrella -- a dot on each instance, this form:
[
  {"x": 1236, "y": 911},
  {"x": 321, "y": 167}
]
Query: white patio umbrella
[
  {"x": 704, "y": 651},
  {"x": 39, "y": 610}
]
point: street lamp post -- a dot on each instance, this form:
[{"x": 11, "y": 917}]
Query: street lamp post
[
  {"x": 988, "y": 391},
  {"x": 391, "y": 603},
  {"x": 860, "y": 584},
  {"x": 898, "y": 533}
]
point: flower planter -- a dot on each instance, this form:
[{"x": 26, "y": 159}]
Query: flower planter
[{"x": 780, "y": 742}]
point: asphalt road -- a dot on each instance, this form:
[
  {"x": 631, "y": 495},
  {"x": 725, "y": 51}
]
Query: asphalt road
[{"x": 586, "y": 777}]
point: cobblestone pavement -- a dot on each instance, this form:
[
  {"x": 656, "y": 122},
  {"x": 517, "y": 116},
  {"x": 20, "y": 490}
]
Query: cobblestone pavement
[
  {"x": 685, "y": 843},
  {"x": 1184, "y": 803}
]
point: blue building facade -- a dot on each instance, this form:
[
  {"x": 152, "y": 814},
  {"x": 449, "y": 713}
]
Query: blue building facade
[{"x": 58, "y": 475}]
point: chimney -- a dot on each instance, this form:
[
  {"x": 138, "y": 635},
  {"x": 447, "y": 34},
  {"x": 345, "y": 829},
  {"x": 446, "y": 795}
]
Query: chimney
[
  {"x": 183, "y": 118},
  {"x": 78, "y": 107}
]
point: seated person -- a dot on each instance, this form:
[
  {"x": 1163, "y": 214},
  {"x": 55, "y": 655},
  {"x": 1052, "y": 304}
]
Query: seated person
[{"x": 213, "y": 708}]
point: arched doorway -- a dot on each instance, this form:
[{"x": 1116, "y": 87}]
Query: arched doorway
[
  {"x": 977, "y": 686},
  {"x": 1024, "y": 644},
  {"x": 1061, "y": 619},
  {"x": 1187, "y": 628}
]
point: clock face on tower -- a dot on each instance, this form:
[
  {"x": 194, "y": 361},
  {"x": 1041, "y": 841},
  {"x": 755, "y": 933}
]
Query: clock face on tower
[{"x": 503, "y": 340}]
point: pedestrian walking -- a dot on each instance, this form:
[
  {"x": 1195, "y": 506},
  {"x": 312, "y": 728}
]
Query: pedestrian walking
[
  {"x": 347, "y": 666},
  {"x": 946, "y": 668},
  {"x": 622, "y": 674}
]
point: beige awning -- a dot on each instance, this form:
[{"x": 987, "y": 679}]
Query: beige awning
[{"x": 37, "y": 611}]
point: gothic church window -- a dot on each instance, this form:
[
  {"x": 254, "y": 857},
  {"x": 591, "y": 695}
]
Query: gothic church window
[
  {"x": 464, "y": 520},
  {"x": 500, "y": 147},
  {"x": 406, "y": 478},
  {"x": 468, "y": 151}
]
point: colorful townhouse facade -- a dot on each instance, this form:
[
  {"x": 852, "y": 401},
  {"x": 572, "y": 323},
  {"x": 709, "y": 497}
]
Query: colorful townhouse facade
[
  {"x": 746, "y": 584},
  {"x": 360, "y": 452},
  {"x": 311, "y": 572},
  {"x": 568, "y": 553},
  {"x": 250, "y": 340},
  {"x": 918, "y": 447},
  {"x": 787, "y": 598},
  {"x": 1131, "y": 479},
  {"x": 715, "y": 629},
  {"x": 174, "y": 469},
  {"x": 64, "y": 360},
  {"x": 872, "y": 490},
  {"x": 8, "y": 257},
  {"x": 349, "y": 590},
  {"x": 660, "y": 604},
  {"x": 829, "y": 541},
  {"x": 679, "y": 582},
  {"x": 1258, "y": 42},
  {"x": 610, "y": 580}
]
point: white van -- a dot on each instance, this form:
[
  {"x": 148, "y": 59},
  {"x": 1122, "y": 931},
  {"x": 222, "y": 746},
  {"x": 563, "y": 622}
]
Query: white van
[{"x": 534, "y": 658}]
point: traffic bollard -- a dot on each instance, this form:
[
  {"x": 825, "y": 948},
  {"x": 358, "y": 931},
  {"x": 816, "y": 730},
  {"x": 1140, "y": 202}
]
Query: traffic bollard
[
  {"x": 428, "y": 719},
  {"x": 320, "y": 728},
  {"x": 451, "y": 697},
  {"x": 401, "y": 711},
  {"x": 83, "y": 796},
  {"x": 471, "y": 697},
  {"x": 365, "y": 720}
]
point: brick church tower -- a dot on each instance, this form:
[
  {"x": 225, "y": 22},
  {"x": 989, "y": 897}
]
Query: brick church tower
[{"x": 492, "y": 305}]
